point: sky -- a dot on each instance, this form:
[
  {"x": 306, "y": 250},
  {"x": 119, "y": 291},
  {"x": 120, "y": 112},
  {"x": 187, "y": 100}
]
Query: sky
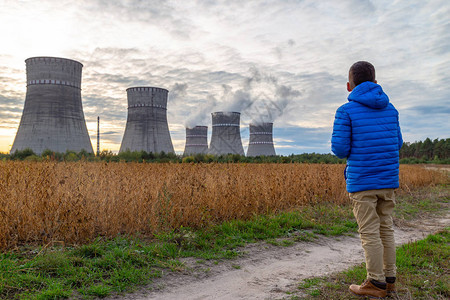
[{"x": 283, "y": 61}]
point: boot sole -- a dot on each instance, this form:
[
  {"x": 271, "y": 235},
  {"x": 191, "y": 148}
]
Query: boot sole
[
  {"x": 392, "y": 293},
  {"x": 366, "y": 296}
]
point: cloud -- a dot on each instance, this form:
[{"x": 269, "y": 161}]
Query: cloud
[
  {"x": 159, "y": 13},
  {"x": 109, "y": 109},
  {"x": 430, "y": 110},
  {"x": 201, "y": 113},
  {"x": 10, "y": 112},
  {"x": 10, "y": 103},
  {"x": 6, "y": 117},
  {"x": 290, "y": 140},
  {"x": 238, "y": 101},
  {"x": 110, "y": 132},
  {"x": 260, "y": 97},
  {"x": 280, "y": 61},
  {"x": 177, "y": 91}
]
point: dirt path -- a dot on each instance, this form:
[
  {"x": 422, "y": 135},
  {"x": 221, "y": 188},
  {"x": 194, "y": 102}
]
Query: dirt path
[{"x": 268, "y": 272}]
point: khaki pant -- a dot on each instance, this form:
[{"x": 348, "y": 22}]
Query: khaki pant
[{"x": 373, "y": 212}]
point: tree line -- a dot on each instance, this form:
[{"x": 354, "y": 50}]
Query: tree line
[
  {"x": 142, "y": 156},
  {"x": 427, "y": 151}
]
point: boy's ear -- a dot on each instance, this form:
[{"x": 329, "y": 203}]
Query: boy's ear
[
  {"x": 375, "y": 81},
  {"x": 349, "y": 87}
]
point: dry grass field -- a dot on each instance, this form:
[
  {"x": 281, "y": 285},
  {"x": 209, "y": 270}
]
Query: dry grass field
[{"x": 77, "y": 202}]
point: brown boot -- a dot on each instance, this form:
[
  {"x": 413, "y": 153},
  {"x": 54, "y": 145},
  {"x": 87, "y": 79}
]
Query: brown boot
[
  {"x": 368, "y": 289},
  {"x": 390, "y": 289},
  {"x": 390, "y": 286}
]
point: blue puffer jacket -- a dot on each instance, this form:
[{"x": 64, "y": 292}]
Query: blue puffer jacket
[{"x": 366, "y": 131}]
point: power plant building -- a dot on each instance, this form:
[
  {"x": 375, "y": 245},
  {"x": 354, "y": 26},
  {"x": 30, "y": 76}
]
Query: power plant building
[
  {"x": 226, "y": 135},
  {"x": 261, "y": 140},
  {"x": 196, "y": 140},
  {"x": 53, "y": 115},
  {"x": 147, "y": 128}
]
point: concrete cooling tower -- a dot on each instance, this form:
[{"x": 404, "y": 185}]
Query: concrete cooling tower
[
  {"x": 226, "y": 135},
  {"x": 53, "y": 114},
  {"x": 147, "y": 128},
  {"x": 196, "y": 140},
  {"x": 261, "y": 140}
]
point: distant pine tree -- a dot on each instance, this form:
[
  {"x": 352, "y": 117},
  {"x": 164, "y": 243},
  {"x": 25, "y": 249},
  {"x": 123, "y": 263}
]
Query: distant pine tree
[{"x": 436, "y": 151}]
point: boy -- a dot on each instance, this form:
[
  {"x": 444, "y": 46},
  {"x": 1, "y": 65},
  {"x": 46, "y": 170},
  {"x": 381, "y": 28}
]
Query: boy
[{"x": 366, "y": 131}]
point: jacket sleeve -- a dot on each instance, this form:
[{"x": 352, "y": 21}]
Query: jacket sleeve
[
  {"x": 342, "y": 133},
  {"x": 399, "y": 135}
]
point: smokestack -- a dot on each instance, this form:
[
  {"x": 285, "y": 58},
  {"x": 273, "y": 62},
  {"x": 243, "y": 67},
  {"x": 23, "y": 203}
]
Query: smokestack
[
  {"x": 196, "y": 140},
  {"x": 261, "y": 140},
  {"x": 147, "y": 128},
  {"x": 52, "y": 116},
  {"x": 226, "y": 136}
]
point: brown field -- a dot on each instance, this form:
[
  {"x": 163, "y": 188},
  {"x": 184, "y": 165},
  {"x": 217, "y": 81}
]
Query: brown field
[{"x": 76, "y": 202}]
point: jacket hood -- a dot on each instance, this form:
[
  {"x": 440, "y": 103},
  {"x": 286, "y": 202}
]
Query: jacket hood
[{"x": 369, "y": 94}]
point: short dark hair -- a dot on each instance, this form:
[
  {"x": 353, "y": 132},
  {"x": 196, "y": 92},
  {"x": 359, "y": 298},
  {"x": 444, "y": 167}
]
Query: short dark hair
[{"x": 362, "y": 71}]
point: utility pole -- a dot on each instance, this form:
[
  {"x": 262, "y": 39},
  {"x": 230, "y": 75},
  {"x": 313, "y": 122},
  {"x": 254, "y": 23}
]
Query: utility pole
[{"x": 98, "y": 136}]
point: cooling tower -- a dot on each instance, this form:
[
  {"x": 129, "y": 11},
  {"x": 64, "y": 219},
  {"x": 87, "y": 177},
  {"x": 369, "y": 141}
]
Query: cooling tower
[
  {"x": 226, "y": 135},
  {"x": 53, "y": 114},
  {"x": 196, "y": 140},
  {"x": 261, "y": 140},
  {"x": 147, "y": 128}
]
